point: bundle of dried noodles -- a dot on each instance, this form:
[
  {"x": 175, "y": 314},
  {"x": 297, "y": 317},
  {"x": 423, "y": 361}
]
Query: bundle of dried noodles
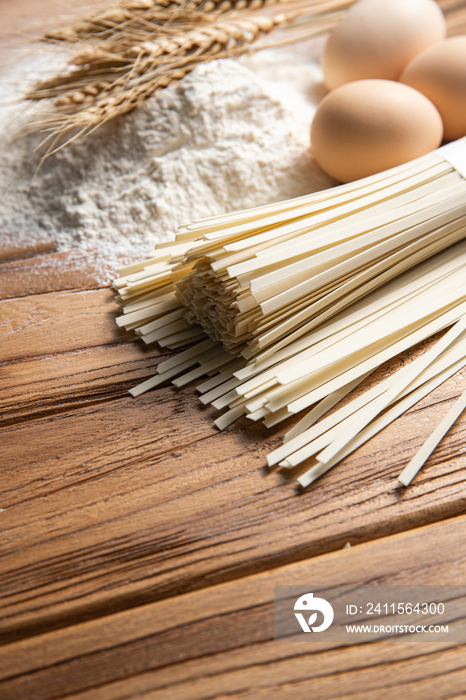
[{"x": 293, "y": 305}]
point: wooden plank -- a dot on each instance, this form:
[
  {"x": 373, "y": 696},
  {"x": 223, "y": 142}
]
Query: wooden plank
[
  {"x": 137, "y": 500},
  {"x": 455, "y": 12},
  {"x": 70, "y": 270},
  {"x": 16, "y": 246},
  {"x": 66, "y": 351},
  {"x": 46, "y": 324},
  {"x": 31, "y": 18},
  {"x": 25, "y": 21},
  {"x": 219, "y": 642},
  {"x": 55, "y": 383}
]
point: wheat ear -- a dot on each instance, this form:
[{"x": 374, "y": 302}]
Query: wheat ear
[{"x": 131, "y": 22}]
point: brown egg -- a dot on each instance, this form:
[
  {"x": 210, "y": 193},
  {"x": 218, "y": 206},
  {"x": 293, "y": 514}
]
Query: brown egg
[
  {"x": 378, "y": 38},
  {"x": 439, "y": 72},
  {"x": 365, "y": 127}
]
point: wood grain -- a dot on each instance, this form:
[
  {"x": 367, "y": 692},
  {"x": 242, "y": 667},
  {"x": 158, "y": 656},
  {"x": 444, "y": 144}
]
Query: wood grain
[
  {"x": 66, "y": 349},
  {"x": 90, "y": 498},
  {"x": 14, "y": 247},
  {"x": 219, "y": 642},
  {"x": 54, "y": 383},
  {"x": 455, "y": 12},
  {"x": 57, "y": 272},
  {"x": 44, "y": 324}
]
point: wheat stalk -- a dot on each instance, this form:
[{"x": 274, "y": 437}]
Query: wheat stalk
[{"x": 111, "y": 79}]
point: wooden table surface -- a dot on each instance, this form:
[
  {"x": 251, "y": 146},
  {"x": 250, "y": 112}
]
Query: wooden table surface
[{"x": 140, "y": 546}]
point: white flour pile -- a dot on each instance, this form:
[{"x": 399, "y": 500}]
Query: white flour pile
[{"x": 223, "y": 139}]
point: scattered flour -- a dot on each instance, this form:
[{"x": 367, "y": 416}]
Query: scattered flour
[{"x": 226, "y": 137}]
